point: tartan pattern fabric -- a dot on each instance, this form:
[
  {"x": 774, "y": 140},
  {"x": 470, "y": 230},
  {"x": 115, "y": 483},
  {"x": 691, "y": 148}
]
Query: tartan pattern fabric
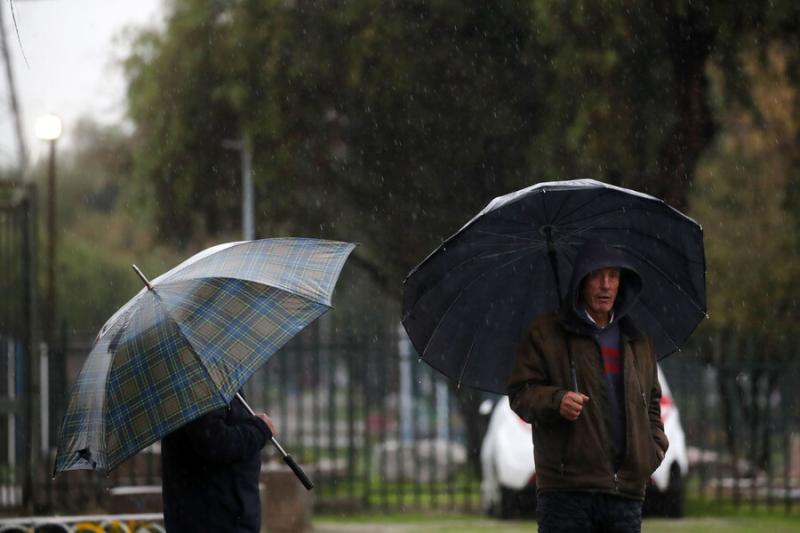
[
  {"x": 185, "y": 347},
  {"x": 300, "y": 266}
]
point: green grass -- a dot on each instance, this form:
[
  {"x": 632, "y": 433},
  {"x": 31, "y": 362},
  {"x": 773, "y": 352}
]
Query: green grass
[
  {"x": 701, "y": 517},
  {"x": 459, "y": 523},
  {"x": 699, "y": 508},
  {"x": 427, "y": 513}
]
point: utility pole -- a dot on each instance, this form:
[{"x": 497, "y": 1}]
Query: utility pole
[{"x": 245, "y": 147}]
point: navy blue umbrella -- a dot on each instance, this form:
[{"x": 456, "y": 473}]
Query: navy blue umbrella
[{"x": 466, "y": 306}]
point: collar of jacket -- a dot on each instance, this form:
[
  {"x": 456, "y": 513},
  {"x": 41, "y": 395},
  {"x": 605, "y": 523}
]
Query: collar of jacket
[{"x": 573, "y": 324}]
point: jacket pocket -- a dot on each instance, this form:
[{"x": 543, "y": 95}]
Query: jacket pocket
[
  {"x": 549, "y": 447},
  {"x": 584, "y": 452},
  {"x": 642, "y": 455}
]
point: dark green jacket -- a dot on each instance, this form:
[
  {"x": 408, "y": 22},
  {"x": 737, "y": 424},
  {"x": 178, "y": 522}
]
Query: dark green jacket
[{"x": 577, "y": 456}]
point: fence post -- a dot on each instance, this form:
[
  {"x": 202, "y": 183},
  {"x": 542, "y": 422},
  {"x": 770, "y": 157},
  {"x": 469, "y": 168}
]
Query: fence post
[{"x": 28, "y": 253}]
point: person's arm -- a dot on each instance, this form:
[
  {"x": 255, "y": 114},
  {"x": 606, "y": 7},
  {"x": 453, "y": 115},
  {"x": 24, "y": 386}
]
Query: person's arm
[
  {"x": 213, "y": 439},
  {"x": 530, "y": 389}
]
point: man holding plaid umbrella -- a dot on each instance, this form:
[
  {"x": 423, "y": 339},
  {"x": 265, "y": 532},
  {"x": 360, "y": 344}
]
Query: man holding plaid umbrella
[{"x": 210, "y": 471}]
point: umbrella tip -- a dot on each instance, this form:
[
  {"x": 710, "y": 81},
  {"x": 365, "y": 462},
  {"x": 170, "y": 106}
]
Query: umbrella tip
[{"x": 142, "y": 276}]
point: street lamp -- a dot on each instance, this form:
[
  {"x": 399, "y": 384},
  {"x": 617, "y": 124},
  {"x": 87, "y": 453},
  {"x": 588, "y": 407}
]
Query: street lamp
[{"x": 48, "y": 128}]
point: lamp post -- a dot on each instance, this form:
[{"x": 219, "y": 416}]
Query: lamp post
[
  {"x": 245, "y": 148},
  {"x": 48, "y": 128}
]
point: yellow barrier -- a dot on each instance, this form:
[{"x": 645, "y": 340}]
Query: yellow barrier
[{"x": 124, "y": 524}]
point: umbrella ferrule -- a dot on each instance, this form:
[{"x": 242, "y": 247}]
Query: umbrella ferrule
[{"x": 144, "y": 278}]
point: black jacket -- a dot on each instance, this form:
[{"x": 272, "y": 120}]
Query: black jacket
[{"x": 210, "y": 472}]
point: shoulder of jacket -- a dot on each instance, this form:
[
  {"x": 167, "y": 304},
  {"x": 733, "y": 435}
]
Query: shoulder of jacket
[{"x": 545, "y": 322}]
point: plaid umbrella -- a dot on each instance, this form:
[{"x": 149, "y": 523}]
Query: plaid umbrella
[{"x": 188, "y": 342}]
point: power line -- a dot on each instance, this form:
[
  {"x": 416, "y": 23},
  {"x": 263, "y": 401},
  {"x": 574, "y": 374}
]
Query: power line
[{"x": 13, "y": 102}]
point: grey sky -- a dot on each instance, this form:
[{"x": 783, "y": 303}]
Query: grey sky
[{"x": 72, "y": 49}]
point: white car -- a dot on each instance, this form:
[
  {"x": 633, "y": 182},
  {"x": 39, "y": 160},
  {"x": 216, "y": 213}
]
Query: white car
[{"x": 508, "y": 486}]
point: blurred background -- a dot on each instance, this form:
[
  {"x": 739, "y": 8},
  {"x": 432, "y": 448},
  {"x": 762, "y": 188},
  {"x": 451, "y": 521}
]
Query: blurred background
[{"x": 142, "y": 132}]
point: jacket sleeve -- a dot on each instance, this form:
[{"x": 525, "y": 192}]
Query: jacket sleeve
[
  {"x": 654, "y": 412},
  {"x": 530, "y": 392},
  {"x": 216, "y": 440}
]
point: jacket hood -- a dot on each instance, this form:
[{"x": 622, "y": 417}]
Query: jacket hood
[{"x": 594, "y": 256}]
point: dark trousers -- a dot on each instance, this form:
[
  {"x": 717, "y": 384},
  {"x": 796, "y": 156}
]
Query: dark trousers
[{"x": 581, "y": 512}]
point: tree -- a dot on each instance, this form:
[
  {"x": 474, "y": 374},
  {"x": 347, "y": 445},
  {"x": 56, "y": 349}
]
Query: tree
[
  {"x": 101, "y": 231},
  {"x": 744, "y": 195},
  {"x": 403, "y": 119},
  {"x": 392, "y": 123}
]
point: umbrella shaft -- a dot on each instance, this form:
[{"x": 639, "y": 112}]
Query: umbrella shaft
[
  {"x": 250, "y": 410},
  {"x": 246, "y": 405}
]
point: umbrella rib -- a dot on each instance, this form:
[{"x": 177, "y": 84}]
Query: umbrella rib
[
  {"x": 467, "y": 359},
  {"x": 619, "y": 210},
  {"x": 458, "y": 297},
  {"x": 645, "y": 306},
  {"x": 475, "y": 258},
  {"x": 664, "y": 275},
  {"x": 475, "y": 336},
  {"x": 661, "y": 240},
  {"x": 170, "y": 275},
  {"x": 603, "y": 193},
  {"x": 558, "y": 211},
  {"x": 188, "y": 343},
  {"x": 518, "y": 236}
]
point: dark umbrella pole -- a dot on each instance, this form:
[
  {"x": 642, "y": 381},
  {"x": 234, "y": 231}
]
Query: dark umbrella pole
[{"x": 288, "y": 459}]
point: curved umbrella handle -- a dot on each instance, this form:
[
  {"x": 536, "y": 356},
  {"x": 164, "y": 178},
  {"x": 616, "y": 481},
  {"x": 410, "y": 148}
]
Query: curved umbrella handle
[{"x": 288, "y": 459}]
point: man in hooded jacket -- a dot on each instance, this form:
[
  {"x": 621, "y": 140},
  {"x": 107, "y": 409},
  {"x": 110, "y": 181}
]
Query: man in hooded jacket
[
  {"x": 586, "y": 380},
  {"x": 210, "y": 472}
]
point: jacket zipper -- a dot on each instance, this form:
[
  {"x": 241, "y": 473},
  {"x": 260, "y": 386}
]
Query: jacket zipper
[
  {"x": 626, "y": 371},
  {"x": 564, "y": 450},
  {"x": 574, "y": 376}
]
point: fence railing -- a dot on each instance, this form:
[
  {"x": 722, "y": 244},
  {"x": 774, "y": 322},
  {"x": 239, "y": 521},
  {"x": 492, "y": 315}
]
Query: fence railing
[
  {"x": 740, "y": 410},
  {"x": 18, "y": 344},
  {"x": 375, "y": 428}
]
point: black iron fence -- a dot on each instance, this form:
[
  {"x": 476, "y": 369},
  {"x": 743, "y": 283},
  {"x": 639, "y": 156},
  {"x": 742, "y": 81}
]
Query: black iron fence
[
  {"x": 370, "y": 424},
  {"x": 377, "y": 429},
  {"x": 374, "y": 426},
  {"x": 18, "y": 345},
  {"x": 740, "y": 409}
]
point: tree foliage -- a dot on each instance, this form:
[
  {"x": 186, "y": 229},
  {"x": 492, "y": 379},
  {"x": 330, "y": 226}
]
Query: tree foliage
[
  {"x": 100, "y": 229},
  {"x": 391, "y": 123},
  {"x": 745, "y": 196}
]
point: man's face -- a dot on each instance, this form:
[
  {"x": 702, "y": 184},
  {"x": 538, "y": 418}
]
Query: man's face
[{"x": 599, "y": 291}]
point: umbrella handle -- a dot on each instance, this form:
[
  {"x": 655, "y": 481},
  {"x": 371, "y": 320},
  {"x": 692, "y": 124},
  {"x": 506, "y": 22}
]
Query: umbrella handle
[{"x": 288, "y": 459}]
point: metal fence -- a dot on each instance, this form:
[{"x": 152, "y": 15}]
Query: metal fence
[
  {"x": 17, "y": 343},
  {"x": 375, "y": 428},
  {"x": 740, "y": 410},
  {"x": 371, "y": 425}
]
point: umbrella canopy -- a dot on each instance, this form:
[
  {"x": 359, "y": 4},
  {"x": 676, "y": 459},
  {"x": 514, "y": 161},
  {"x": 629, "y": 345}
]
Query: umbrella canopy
[
  {"x": 466, "y": 306},
  {"x": 187, "y": 343}
]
